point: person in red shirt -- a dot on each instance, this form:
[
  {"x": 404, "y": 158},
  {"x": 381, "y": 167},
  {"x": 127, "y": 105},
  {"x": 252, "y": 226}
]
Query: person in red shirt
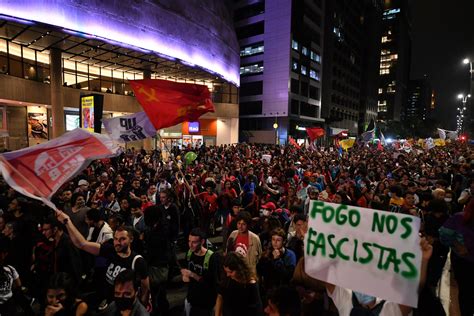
[{"x": 208, "y": 201}]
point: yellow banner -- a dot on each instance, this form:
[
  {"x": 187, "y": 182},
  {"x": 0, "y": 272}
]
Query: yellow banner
[{"x": 439, "y": 142}]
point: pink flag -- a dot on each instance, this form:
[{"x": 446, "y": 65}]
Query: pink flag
[{"x": 39, "y": 171}]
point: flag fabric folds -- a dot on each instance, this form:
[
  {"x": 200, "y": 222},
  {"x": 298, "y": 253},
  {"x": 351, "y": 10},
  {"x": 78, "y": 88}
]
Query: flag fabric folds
[
  {"x": 39, "y": 171},
  {"x": 368, "y": 136},
  {"x": 292, "y": 142},
  {"x": 129, "y": 128},
  {"x": 168, "y": 103},
  {"x": 315, "y": 132},
  {"x": 347, "y": 143},
  {"x": 442, "y": 133}
]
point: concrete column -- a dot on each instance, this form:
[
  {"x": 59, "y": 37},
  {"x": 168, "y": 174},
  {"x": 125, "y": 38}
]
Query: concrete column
[
  {"x": 57, "y": 107},
  {"x": 147, "y": 142}
]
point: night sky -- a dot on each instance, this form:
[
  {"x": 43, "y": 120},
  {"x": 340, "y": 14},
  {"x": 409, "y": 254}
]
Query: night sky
[{"x": 443, "y": 34}]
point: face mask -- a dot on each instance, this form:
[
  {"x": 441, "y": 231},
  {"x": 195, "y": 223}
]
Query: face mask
[
  {"x": 124, "y": 303},
  {"x": 448, "y": 199},
  {"x": 364, "y": 299}
]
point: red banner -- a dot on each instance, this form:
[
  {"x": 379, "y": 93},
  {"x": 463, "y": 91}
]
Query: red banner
[
  {"x": 168, "y": 103},
  {"x": 40, "y": 170},
  {"x": 315, "y": 132}
]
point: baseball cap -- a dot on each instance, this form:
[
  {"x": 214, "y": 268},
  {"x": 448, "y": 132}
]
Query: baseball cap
[
  {"x": 269, "y": 206},
  {"x": 82, "y": 182}
]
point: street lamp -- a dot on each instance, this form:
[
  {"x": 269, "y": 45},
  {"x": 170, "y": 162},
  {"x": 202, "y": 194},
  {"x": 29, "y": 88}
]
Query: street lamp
[{"x": 461, "y": 110}]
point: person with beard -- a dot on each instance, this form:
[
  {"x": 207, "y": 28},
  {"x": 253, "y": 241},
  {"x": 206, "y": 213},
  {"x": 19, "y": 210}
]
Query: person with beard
[
  {"x": 201, "y": 273},
  {"x": 61, "y": 297},
  {"x": 119, "y": 255},
  {"x": 125, "y": 297},
  {"x": 78, "y": 213}
]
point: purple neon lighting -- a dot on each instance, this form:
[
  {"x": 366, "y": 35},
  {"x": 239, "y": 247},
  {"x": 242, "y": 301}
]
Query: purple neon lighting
[{"x": 86, "y": 23}]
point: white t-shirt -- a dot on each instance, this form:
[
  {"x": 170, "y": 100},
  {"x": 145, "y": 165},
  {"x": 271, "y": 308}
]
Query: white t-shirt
[
  {"x": 342, "y": 298},
  {"x": 6, "y": 286}
]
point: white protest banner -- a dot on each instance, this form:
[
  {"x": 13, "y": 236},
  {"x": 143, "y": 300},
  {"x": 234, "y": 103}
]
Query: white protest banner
[
  {"x": 130, "y": 128},
  {"x": 266, "y": 158},
  {"x": 369, "y": 251},
  {"x": 39, "y": 171}
]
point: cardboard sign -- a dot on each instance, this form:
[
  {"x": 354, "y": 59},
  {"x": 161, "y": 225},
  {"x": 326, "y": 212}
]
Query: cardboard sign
[{"x": 369, "y": 251}]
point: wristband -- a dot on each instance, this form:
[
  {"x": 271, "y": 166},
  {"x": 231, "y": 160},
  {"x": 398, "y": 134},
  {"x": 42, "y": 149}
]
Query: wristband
[{"x": 65, "y": 221}]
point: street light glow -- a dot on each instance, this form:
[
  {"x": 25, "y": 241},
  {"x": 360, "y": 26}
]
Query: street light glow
[
  {"x": 460, "y": 96},
  {"x": 465, "y": 61}
]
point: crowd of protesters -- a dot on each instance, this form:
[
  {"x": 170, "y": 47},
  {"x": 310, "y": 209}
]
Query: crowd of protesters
[{"x": 112, "y": 245}]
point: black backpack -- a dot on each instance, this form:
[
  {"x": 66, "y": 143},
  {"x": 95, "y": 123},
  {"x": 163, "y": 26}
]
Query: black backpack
[{"x": 359, "y": 310}]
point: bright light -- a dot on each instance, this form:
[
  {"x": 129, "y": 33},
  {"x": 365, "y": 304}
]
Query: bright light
[
  {"x": 388, "y": 140},
  {"x": 465, "y": 61},
  {"x": 464, "y": 108},
  {"x": 275, "y": 125},
  {"x": 460, "y": 96},
  {"x": 468, "y": 95}
]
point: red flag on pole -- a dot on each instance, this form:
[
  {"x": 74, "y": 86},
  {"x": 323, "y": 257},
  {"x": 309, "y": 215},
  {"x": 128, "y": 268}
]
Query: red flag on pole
[
  {"x": 168, "y": 103},
  {"x": 40, "y": 170},
  {"x": 315, "y": 132}
]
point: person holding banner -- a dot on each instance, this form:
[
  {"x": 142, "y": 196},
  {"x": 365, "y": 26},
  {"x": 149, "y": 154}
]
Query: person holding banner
[{"x": 352, "y": 303}]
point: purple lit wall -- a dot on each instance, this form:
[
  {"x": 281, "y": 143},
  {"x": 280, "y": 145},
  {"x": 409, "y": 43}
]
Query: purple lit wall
[{"x": 198, "y": 32}]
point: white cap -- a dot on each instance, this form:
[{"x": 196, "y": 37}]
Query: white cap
[{"x": 82, "y": 182}]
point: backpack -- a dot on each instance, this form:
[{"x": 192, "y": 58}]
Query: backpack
[
  {"x": 358, "y": 310},
  {"x": 207, "y": 258}
]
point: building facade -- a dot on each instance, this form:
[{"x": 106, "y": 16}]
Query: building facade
[
  {"x": 395, "y": 60},
  {"x": 281, "y": 44},
  {"x": 52, "y": 53},
  {"x": 351, "y": 50}
]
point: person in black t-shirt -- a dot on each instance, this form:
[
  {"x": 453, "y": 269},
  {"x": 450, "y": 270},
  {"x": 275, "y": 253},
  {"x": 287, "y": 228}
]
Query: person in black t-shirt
[
  {"x": 119, "y": 255},
  {"x": 201, "y": 273}
]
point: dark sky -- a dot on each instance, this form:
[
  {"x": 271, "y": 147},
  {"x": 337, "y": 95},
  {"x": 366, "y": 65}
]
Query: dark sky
[{"x": 443, "y": 34}]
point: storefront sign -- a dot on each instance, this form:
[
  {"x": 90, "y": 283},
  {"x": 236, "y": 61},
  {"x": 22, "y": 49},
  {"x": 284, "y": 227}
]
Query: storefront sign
[
  {"x": 193, "y": 127},
  {"x": 91, "y": 112},
  {"x": 369, "y": 251}
]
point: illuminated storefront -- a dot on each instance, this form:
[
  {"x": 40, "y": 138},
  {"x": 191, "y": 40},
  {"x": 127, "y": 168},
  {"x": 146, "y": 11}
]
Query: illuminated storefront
[{"x": 52, "y": 53}]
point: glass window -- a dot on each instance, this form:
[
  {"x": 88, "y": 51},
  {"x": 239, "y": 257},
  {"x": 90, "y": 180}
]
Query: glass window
[
  {"x": 304, "y": 51},
  {"x": 294, "y": 45},
  {"x": 314, "y": 74},
  {"x": 251, "y": 69},
  {"x": 303, "y": 70},
  {"x": 15, "y": 60},
  {"x": 294, "y": 65},
  {"x": 315, "y": 57},
  {"x": 252, "y": 49},
  {"x": 3, "y": 57}
]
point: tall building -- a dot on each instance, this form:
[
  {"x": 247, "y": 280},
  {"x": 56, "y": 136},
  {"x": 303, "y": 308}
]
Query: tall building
[
  {"x": 280, "y": 67},
  {"x": 351, "y": 55},
  {"x": 394, "y": 60},
  {"x": 420, "y": 98},
  {"x": 54, "y": 52}
]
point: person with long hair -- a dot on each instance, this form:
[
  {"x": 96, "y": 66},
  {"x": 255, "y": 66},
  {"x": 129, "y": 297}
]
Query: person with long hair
[
  {"x": 61, "y": 297},
  {"x": 458, "y": 233},
  {"x": 238, "y": 293}
]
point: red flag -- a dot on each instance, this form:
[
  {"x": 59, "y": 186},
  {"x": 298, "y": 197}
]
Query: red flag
[
  {"x": 168, "y": 103},
  {"x": 315, "y": 132},
  {"x": 40, "y": 170},
  {"x": 292, "y": 141}
]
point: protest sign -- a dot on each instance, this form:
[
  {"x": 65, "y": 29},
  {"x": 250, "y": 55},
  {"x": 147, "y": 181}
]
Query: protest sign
[
  {"x": 369, "y": 251},
  {"x": 267, "y": 158}
]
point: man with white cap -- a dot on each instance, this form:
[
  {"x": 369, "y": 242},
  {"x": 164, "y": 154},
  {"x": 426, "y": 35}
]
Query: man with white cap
[{"x": 83, "y": 188}]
